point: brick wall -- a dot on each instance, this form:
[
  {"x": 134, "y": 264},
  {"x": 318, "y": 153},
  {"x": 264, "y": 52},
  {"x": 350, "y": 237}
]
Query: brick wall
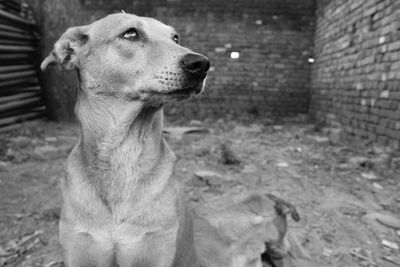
[
  {"x": 274, "y": 39},
  {"x": 356, "y": 75}
]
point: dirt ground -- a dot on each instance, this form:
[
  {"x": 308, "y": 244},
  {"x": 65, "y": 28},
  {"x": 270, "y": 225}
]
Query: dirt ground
[{"x": 348, "y": 196}]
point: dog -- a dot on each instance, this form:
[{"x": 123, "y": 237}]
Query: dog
[{"x": 121, "y": 203}]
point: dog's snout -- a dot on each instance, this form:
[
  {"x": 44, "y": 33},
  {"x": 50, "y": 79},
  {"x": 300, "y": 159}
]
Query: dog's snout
[{"x": 195, "y": 64}]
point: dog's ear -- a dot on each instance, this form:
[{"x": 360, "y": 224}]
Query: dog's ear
[{"x": 67, "y": 49}]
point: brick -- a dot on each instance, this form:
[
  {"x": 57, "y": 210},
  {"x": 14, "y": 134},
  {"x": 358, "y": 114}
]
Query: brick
[{"x": 360, "y": 83}]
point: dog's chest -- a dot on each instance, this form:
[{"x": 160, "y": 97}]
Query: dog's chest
[
  {"x": 132, "y": 245},
  {"x": 145, "y": 248}
]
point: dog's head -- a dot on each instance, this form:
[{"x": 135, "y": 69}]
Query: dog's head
[{"x": 131, "y": 57}]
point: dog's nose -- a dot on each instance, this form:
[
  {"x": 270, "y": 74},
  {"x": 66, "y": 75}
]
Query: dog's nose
[{"x": 195, "y": 64}]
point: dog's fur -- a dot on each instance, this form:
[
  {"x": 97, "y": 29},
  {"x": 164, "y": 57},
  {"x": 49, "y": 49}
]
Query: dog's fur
[{"x": 121, "y": 202}]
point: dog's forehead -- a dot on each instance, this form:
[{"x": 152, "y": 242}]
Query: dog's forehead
[{"x": 115, "y": 23}]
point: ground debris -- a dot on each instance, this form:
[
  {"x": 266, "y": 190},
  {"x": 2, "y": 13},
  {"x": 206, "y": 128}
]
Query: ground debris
[
  {"x": 395, "y": 164},
  {"x": 50, "y": 139},
  {"x": 21, "y": 141},
  {"x": 249, "y": 168},
  {"x": 327, "y": 252},
  {"x": 179, "y": 132},
  {"x": 3, "y": 165},
  {"x": 364, "y": 256},
  {"x": 277, "y": 128},
  {"x": 228, "y": 157},
  {"x": 17, "y": 248},
  {"x": 336, "y": 136},
  {"x": 23, "y": 148},
  {"x": 210, "y": 178},
  {"x": 387, "y": 220},
  {"x": 52, "y": 214},
  {"x": 390, "y": 244},
  {"x": 282, "y": 164},
  {"x": 369, "y": 176},
  {"x": 319, "y": 139},
  {"x": 16, "y": 155},
  {"x": 377, "y": 186},
  {"x": 253, "y": 128},
  {"x": 47, "y": 151},
  {"x": 360, "y": 161},
  {"x": 55, "y": 264},
  {"x": 392, "y": 259}
]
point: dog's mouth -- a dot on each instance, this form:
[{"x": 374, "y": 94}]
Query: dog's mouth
[
  {"x": 189, "y": 89},
  {"x": 192, "y": 86},
  {"x": 184, "y": 91}
]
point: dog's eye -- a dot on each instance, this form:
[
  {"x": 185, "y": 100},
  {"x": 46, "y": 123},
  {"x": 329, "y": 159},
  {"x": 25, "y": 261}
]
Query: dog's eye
[
  {"x": 175, "y": 38},
  {"x": 130, "y": 34}
]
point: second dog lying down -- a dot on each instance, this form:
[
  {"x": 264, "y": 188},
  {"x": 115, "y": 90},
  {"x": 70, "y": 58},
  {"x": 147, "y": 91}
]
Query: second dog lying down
[{"x": 121, "y": 201}]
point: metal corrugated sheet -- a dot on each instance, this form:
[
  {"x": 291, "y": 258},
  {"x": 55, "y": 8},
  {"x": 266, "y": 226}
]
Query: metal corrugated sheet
[{"x": 20, "y": 92}]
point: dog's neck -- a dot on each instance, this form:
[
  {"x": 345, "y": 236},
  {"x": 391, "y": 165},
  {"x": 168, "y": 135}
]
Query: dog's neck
[
  {"x": 108, "y": 126},
  {"x": 120, "y": 137}
]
